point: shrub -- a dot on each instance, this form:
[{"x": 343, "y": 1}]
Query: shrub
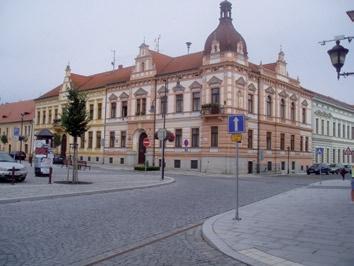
[{"x": 148, "y": 168}]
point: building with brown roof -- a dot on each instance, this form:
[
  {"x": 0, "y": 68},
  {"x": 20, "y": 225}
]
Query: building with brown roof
[
  {"x": 202, "y": 89},
  {"x": 16, "y": 120}
]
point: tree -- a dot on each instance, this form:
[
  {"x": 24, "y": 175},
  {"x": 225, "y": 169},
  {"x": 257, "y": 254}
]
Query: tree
[
  {"x": 3, "y": 139},
  {"x": 75, "y": 121},
  {"x": 56, "y": 140}
]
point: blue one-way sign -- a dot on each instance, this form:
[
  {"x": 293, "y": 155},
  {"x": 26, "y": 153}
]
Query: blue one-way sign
[
  {"x": 319, "y": 151},
  {"x": 236, "y": 124}
]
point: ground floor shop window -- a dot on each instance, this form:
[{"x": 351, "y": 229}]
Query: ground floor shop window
[
  {"x": 177, "y": 163},
  {"x": 194, "y": 164}
]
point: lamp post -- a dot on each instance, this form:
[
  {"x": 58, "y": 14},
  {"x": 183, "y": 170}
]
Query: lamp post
[
  {"x": 164, "y": 109},
  {"x": 21, "y": 137},
  {"x": 288, "y": 160}
]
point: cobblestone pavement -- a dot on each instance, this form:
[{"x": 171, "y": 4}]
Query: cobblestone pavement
[{"x": 70, "y": 230}]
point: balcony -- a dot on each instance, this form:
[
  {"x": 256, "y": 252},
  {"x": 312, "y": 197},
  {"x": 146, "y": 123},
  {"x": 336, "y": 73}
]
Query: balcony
[{"x": 212, "y": 110}]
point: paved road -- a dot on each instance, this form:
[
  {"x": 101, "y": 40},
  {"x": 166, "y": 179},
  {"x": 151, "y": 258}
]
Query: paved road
[{"x": 77, "y": 230}]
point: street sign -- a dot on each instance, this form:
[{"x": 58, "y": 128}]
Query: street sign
[
  {"x": 347, "y": 151},
  {"x": 319, "y": 151},
  {"x": 161, "y": 134},
  {"x": 146, "y": 142},
  {"x": 236, "y": 124},
  {"x": 236, "y": 137}
]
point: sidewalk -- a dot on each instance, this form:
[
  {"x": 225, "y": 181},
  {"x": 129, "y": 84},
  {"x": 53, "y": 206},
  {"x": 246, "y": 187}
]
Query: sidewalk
[
  {"x": 36, "y": 188},
  {"x": 311, "y": 226}
]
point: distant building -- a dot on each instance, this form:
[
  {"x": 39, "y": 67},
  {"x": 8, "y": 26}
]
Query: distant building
[
  {"x": 203, "y": 88},
  {"x": 333, "y": 129},
  {"x": 16, "y": 120}
]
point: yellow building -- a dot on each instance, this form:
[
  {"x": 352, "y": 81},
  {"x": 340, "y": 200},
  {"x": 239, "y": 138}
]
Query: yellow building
[{"x": 16, "y": 120}]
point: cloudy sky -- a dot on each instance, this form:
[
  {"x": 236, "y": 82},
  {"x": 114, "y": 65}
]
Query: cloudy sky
[{"x": 39, "y": 37}]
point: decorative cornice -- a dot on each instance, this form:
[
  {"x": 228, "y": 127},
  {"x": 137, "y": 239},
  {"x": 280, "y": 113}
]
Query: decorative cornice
[
  {"x": 323, "y": 114},
  {"x": 178, "y": 88},
  {"x": 270, "y": 90},
  {"x": 113, "y": 97},
  {"x": 283, "y": 94},
  {"x": 162, "y": 89},
  {"x": 304, "y": 103},
  {"x": 140, "y": 92},
  {"x": 195, "y": 85},
  {"x": 123, "y": 96},
  {"x": 251, "y": 87},
  {"x": 241, "y": 82},
  {"x": 214, "y": 81},
  {"x": 293, "y": 97}
]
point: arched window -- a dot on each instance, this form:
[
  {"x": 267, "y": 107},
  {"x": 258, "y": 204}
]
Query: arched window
[
  {"x": 292, "y": 111},
  {"x": 282, "y": 109},
  {"x": 269, "y": 106},
  {"x": 142, "y": 66}
]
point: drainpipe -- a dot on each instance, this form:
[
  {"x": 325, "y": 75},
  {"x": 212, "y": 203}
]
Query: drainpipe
[
  {"x": 258, "y": 123},
  {"x": 154, "y": 126},
  {"x": 104, "y": 125}
]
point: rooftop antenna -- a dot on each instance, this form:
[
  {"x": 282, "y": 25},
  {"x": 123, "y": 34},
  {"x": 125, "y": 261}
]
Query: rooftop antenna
[
  {"x": 157, "y": 43},
  {"x": 188, "y": 46},
  {"x": 113, "y": 63}
]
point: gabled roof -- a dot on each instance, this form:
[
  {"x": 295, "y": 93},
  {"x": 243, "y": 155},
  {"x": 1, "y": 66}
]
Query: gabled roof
[
  {"x": 11, "y": 112},
  {"x": 183, "y": 63}
]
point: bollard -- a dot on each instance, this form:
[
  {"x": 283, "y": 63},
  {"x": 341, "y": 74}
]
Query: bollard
[
  {"x": 13, "y": 175},
  {"x": 50, "y": 175}
]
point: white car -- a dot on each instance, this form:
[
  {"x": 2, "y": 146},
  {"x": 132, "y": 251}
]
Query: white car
[{"x": 7, "y": 163}]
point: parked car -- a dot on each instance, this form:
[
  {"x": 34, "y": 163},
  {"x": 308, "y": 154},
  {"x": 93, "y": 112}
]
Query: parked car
[
  {"x": 18, "y": 155},
  {"x": 7, "y": 163},
  {"x": 348, "y": 168},
  {"x": 335, "y": 168},
  {"x": 318, "y": 168},
  {"x": 58, "y": 159}
]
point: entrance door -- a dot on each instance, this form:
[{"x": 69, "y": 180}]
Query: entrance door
[
  {"x": 142, "y": 148},
  {"x": 63, "y": 146}
]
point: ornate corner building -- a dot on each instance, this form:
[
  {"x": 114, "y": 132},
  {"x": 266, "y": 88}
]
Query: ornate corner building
[{"x": 127, "y": 104}]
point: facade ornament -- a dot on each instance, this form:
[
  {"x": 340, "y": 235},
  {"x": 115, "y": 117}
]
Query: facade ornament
[
  {"x": 123, "y": 96},
  {"x": 241, "y": 82},
  {"x": 113, "y": 97},
  {"x": 195, "y": 85},
  {"x": 214, "y": 81},
  {"x": 293, "y": 97},
  {"x": 323, "y": 114},
  {"x": 140, "y": 92},
  {"x": 252, "y": 88},
  {"x": 283, "y": 94},
  {"x": 162, "y": 89},
  {"x": 270, "y": 90},
  {"x": 304, "y": 103}
]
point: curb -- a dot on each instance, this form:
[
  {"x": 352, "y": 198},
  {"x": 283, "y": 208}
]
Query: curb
[{"x": 35, "y": 198}]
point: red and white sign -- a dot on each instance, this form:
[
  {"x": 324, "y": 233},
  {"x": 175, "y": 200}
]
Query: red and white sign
[{"x": 146, "y": 142}]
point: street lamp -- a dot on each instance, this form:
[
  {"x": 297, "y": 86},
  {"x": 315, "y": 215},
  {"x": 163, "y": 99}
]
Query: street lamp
[
  {"x": 288, "y": 160},
  {"x": 164, "y": 109},
  {"x": 337, "y": 55},
  {"x": 21, "y": 137}
]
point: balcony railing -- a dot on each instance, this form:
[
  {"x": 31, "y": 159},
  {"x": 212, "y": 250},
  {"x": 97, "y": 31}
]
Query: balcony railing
[{"x": 212, "y": 109}]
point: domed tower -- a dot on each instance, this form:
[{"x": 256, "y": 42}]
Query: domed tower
[{"x": 225, "y": 38}]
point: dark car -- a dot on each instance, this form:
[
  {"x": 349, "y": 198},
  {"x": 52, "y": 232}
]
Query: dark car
[
  {"x": 318, "y": 168},
  {"x": 18, "y": 155},
  {"x": 348, "y": 168},
  {"x": 58, "y": 159}
]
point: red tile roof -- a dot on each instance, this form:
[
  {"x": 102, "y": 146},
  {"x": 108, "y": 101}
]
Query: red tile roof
[
  {"x": 270, "y": 66},
  {"x": 11, "y": 112},
  {"x": 183, "y": 63}
]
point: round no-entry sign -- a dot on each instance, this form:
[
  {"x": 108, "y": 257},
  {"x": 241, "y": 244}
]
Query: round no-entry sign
[{"x": 146, "y": 142}]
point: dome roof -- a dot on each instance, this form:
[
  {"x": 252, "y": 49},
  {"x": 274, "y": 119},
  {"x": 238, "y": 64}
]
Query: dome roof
[{"x": 225, "y": 33}]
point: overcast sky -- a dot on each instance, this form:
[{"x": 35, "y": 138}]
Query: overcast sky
[{"x": 39, "y": 37}]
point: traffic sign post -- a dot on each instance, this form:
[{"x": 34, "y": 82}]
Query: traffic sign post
[{"x": 236, "y": 126}]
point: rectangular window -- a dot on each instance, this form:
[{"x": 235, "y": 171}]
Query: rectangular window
[
  {"x": 90, "y": 140},
  {"x": 111, "y": 160},
  {"x": 334, "y": 156},
  {"x": 91, "y": 111},
  {"x": 282, "y": 141},
  {"x": 89, "y": 158},
  {"x": 339, "y": 133},
  {"x": 292, "y": 142},
  {"x": 123, "y": 136},
  {"x": 327, "y": 128},
  {"x": 306, "y": 143},
  {"x": 82, "y": 141},
  {"x": 327, "y": 155},
  {"x": 195, "y": 137},
  {"x": 97, "y": 159},
  {"x": 38, "y": 117},
  {"x": 124, "y": 109},
  {"x": 163, "y": 101},
  {"x": 316, "y": 126},
  {"x": 113, "y": 110},
  {"x": 178, "y": 140},
  {"x": 282, "y": 165},
  {"x": 44, "y": 118},
  {"x": 99, "y": 111},
  {"x": 143, "y": 106},
  {"x": 338, "y": 155},
  {"x": 177, "y": 163},
  {"x": 121, "y": 161},
  {"x": 304, "y": 115},
  {"x": 293, "y": 165},
  {"x": 49, "y": 116},
  {"x": 194, "y": 164},
  {"x": 112, "y": 139},
  {"x": 55, "y": 113},
  {"x": 301, "y": 143},
  {"x": 98, "y": 139},
  {"x": 179, "y": 103},
  {"x": 269, "y": 166},
  {"x": 196, "y": 101},
  {"x": 215, "y": 95},
  {"x": 343, "y": 131},
  {"x": 250, "y": 103},
  {"x": 348, "y": 132},
  {"x": 269, "y": 140},
  {"x": 322, "y": 127},
  {"x": 138, "y": 104},
  {"x": 214, "y": 136},
  {"x": 250, "y": 139},
  {"x": 334, "y": 129},
  {"x": 26, "y": 148}
]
